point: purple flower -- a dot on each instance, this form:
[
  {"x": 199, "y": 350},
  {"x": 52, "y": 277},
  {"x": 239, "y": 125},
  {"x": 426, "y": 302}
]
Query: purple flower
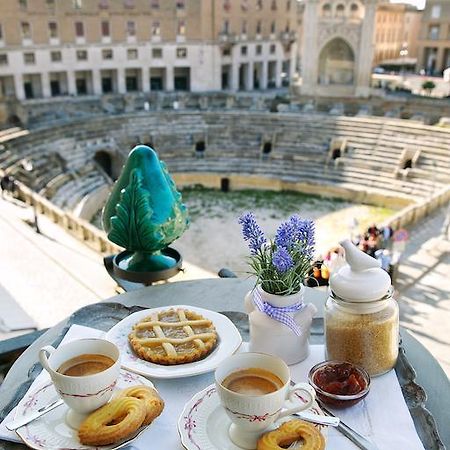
[
  {"x": 252, "y": 232},
  {"x": 282, "y": 260}
]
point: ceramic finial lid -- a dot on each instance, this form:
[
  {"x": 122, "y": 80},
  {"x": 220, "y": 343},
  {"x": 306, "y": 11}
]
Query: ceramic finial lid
[{"x": 362, "y": 279}]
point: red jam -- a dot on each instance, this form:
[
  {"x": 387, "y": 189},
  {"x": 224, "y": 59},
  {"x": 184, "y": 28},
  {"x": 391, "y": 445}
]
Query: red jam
[{"x": 340, "y": 379}]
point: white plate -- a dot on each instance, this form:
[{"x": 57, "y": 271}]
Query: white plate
[
  {"x": 204, "y": 424},
  {"x": 229, "y": 340},
  {"x": 50, "y": 431}
]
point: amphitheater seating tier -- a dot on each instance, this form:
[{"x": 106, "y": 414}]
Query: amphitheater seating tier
[{"x": 234, "y": 142}]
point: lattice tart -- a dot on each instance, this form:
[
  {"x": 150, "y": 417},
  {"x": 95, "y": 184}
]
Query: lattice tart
[{"x": 173, "y": 337}]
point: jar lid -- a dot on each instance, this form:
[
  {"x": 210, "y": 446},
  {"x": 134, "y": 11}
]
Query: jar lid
[{"x": 362, "y": 279}]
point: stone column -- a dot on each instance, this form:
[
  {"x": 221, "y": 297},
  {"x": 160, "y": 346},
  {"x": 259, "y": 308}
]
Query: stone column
[
  {"x": 71, "y": 85},
  {"x": 366, "y": 49},
  {"x": 170, "y": 82},
  {"x": 264, "y": 74},
  {"x": 18, "y": 86},
  {"x": 310, "y": 60},
  {"x": 45, "y": 81},
  {"x": 145, "y": 74},
  {"x": 97, "y": 82},
  {"x": 121, "y": 84}
]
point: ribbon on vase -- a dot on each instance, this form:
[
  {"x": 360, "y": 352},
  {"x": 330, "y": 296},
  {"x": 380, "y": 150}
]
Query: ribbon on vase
[{"x": 279, "y": 313}]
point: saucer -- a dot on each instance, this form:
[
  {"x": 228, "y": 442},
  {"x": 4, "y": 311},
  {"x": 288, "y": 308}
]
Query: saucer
[
  {"x": 204, "y": 424},
  {"x": 229, "y": 340},
  {"x": 51, "y": 431}
]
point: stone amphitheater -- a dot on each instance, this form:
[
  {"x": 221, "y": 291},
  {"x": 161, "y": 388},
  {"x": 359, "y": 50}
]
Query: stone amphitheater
[{"x": 65, "y": 166}]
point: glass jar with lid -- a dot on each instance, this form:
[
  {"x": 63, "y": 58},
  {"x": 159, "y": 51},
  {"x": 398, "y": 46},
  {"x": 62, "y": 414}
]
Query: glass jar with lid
[{"x": 361, "y": 315}]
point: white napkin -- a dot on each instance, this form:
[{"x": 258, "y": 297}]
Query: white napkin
[
  {"x": 74, "y": 332},
  {"x": 382, "y": 416}
]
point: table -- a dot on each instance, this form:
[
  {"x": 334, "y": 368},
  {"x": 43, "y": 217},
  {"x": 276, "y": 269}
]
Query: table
[{"x": 220, "y": 295}]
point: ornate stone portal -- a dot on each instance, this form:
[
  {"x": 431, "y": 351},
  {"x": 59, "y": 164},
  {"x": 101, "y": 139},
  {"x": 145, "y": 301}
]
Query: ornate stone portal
[{"x": 338, "y": 44}]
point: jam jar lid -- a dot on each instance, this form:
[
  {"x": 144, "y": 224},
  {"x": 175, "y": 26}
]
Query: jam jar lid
[{"x": 362, "y": 279}]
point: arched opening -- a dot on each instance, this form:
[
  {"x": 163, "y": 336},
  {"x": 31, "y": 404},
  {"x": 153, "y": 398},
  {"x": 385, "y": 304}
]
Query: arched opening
[
  {"x": 326, "y": 10},
  {"x": 267, "y": 148},
  {"x": 340, "y": 10},
  {"x": 336, "y": 63},
  {"x": 224, "y": 184},
  {"x": 407, "y": 164},
  {"x": 103, "y": 159}
]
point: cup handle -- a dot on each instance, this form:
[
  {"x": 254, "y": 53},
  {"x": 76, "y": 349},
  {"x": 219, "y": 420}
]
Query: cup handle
[
  {"x": 43, "y": 357},
  {"x": 307, "y": 391}
]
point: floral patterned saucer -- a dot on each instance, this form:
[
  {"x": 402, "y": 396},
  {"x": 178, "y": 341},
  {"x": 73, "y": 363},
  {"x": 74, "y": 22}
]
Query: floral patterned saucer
[
  {"x": 228, "y": 342},
  {"x": 50, "y": 431},
  {"x": 204, "y": 424}
]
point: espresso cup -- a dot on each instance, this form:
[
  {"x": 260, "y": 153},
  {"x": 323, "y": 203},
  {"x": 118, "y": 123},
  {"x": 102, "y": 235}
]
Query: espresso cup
[
  {"x": 86, "y": 393},
  {"x": 251, "y": 415}
]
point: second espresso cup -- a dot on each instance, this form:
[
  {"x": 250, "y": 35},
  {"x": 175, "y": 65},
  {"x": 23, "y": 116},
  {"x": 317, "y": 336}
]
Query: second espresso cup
[
  {"x": 251, "y": 415},
  {"x": 82, "y": 393}
]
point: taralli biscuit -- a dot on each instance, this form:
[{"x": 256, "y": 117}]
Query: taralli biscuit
[
  {"x": 289, "y": 432},
  {"x": 154, "y": 404},
  {"x": 173, "y": 337},
  {"x": 113, "y": 422}
]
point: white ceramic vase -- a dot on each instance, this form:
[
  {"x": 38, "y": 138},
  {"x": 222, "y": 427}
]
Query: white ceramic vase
[{"x": 270, "y": 336}]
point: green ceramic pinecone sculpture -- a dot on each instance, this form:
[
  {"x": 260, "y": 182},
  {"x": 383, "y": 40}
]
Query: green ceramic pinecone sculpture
[{"x": 144, "y": 212}]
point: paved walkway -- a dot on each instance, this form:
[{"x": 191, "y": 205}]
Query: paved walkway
[{"x": 424, "y": 287}]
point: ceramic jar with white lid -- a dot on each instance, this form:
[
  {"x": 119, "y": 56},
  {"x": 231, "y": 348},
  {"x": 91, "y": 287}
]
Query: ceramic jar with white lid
[{"x": 361, "y": 315}]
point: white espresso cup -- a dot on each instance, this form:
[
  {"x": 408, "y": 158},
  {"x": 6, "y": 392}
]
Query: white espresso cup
[
  {"x": 82, "y": 394},
  {"x": 251, "y": 415}
]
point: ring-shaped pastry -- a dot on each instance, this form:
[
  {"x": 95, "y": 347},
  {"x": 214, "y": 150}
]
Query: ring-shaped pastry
[
  {"x": 154, "y": 404},
  {"x": 289, "y": 432},
  {"x": 113, "y": 422}
]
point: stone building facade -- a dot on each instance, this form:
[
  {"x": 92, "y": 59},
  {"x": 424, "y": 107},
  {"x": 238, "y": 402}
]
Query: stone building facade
[
  {"x": 434, "y": 40},
  {"x": 397, "y": 29},
  {"x": 337, "y": 47},
  {"x": 75, "y": 47}
]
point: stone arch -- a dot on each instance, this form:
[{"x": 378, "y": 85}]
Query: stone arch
[{"x": 337, "y": 63}]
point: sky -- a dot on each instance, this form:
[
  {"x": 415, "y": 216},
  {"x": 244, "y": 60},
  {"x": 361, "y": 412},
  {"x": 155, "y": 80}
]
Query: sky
[{"x": 419, "y": 3}]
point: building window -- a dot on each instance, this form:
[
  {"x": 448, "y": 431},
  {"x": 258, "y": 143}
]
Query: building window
[
  {"x": 23, "y": 5},
  {"x": 181, "y": 30},
  {"x": 433, "y": 32},
  {"x": 131, "y": 28},
  {"x": 154, "y": 4},
  {"x": 82, "y": 55},
  {"x": 258, "y": 27},
  {"x": 259, "y": 49},
  {"x": 28, "y": 58},
  {"x": 273, "y": 5},
  {"x": 105, "y": 28},
  {"x": 259, "y": 5},
  {"x": 3, "y": 59},
  {"x": 244, "y": 50},
  {"x": 244, "y": 5},
  {"x": 79, "y": 29},
  {"x": 129, "y": 4},
  {"x": 107, "y": 53},
  {"x": 244, "y": 27},
  {"x": 182, "y": 52},
  {"x": 103, "y": 4},
  {"x": 272, "y": 27},
  {"x": 181, "y": 4},
  {"x": 156, "y": 28},
  {"x": 56, "y": 56},
  {"x": 157, "y": 53},
  {"x": 340, "y": 10},
  {"x": 226, "y": 26},
  {"x": 77, "y": 4},
  {"x": 26, "y": 30},
  {"x": 227, "y": 5},
  {"x": 272, "y": 49},
  {"x": 53, "y": 29},
  {"x": 132, "y": 53},
  {"x": 436, "y": 11}
]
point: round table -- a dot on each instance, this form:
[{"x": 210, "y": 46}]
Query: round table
[{"x": 222, "y": 295}]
